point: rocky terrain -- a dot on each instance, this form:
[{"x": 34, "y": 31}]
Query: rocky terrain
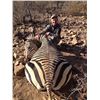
[{"x": 73, "y": 46}]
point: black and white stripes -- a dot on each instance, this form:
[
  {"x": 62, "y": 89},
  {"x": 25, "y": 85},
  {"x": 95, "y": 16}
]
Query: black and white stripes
[
  {"x": 48, "y": 70},
  {"x": 35, "y": 75}
]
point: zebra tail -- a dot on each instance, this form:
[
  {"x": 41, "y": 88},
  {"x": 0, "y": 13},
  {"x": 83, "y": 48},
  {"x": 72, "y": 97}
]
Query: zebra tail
[{"x": 49, "y": 92}]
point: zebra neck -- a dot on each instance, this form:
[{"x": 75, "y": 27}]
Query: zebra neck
[{"x": 47, "y": 43}]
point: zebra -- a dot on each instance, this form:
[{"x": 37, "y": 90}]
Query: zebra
[
  {"x": 31, "y": 46},
  {"x": 48, "y": 69}
]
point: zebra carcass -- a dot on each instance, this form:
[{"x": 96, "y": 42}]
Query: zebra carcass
[{"x": 47, "y": 69}]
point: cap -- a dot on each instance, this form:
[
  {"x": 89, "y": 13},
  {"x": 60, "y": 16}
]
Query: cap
[{"x": 54, "y": 16}]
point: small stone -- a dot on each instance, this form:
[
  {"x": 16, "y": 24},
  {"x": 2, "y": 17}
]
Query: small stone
[
  {"x": 15, "y": 55},
  {"x": 16, "y": 63},
  {"x": 18, "y": 70},
  {"x": 74, "y": 41},
  {"x": 30, "y": 29}
]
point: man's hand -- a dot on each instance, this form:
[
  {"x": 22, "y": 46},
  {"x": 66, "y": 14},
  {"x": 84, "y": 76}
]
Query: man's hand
[
  {"x": 48, "y": 33},
  {"x": 49, "y": 36},
  {"x": 37, "y": 37}
]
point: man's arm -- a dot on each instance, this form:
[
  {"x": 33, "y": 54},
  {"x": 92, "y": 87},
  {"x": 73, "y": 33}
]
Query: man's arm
[
  {"x": 45, "y": 30},
  {"x": 56, "y": 34}
]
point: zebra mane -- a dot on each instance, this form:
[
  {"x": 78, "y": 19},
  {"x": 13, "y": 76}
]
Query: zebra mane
[{"x": 46, "y": 41}]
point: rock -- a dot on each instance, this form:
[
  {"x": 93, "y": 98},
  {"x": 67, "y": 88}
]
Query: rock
[
  {"x": 30, "y": 29},
  {"x": 74, "y": 41},
  {"x": 16, "y": 63},
  {"x": 15, "y": 55},
  {"x": 18, "y": 70},
  {"x": 22, "y": 31},
  {"x": 74, "y": 35},
  {"x": 64, "y": 18}
]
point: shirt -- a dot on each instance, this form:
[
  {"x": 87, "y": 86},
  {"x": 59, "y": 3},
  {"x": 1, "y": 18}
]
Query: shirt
[{"x": 54, "y": 31}]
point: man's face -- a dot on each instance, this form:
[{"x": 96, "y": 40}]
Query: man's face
[{"x": 54, "y": 21}]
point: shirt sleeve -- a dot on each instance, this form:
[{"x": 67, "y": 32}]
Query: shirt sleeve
[{"x": 45, "y": 30}]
